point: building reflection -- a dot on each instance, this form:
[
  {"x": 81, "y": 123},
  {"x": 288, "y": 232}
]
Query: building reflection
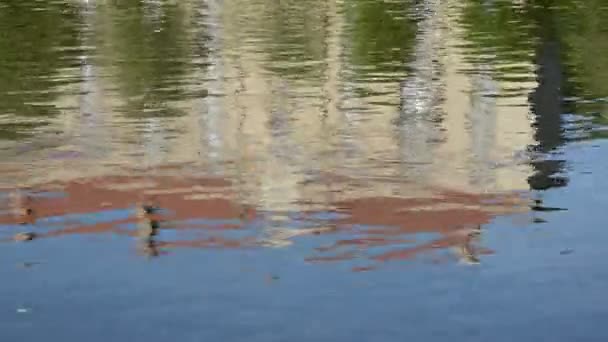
[
  {"x": 250, "y": 129},
  {"x": 256, "y": 115},
  {"x": 205, "y": 213}
]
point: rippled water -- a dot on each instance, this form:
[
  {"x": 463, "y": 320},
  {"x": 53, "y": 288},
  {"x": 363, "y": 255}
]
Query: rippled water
[{"x": 305, "y": 170}]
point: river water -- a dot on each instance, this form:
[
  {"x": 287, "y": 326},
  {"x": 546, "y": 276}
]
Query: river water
[{"x": 312, "y": 170}]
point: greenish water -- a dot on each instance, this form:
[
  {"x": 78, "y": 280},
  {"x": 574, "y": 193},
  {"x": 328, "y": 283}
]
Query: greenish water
[{"x": 336, "y": 170}]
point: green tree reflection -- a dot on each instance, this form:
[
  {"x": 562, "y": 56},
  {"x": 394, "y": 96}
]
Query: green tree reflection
[
  {"x": 584, "y": 34},
  {"x": 507, "y": 31},
  {"x": 294, "y": 36},
  {"x": 35, "y": 42},
  {"x": 501, "y": 34},
  {"x": 149, "y": 45},
  {"x": 382, "y": 35}
]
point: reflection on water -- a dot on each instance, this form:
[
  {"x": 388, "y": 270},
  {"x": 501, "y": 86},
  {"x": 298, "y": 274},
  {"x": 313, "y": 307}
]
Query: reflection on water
[
  {"x": 379, "y": 130},
  {"x": 167, "y": 210}
]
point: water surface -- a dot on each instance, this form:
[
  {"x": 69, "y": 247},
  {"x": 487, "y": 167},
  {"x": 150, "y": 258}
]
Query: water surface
[{"x": 306, "y": 170}]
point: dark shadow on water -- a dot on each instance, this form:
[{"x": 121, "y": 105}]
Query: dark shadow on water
[{"x": 547, "y": 106}]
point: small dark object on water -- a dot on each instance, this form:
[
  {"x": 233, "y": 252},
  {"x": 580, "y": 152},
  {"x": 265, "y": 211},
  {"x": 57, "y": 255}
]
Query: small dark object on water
[
  {"x": 541, "y": 208},
  {"x": 149, "y": 209},
  {"x": 566, "y": 251},
  {"x": 538, "y": 206},
  {"x": 539, "y": 220},
  {"x": 25, "y": 216},
  {"x": 272, "y": 278},
  {"x": 24, "y": 237},
  {"x": 28, "y": 264}
]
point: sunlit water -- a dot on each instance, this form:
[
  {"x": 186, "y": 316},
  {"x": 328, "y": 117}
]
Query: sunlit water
[{"x": 303, "y": 170}]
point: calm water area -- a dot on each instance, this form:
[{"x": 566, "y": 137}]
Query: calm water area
[{"x": 303, "y": 170}]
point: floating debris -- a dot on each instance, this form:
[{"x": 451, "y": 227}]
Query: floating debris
[
  {"x": 26, "y": 211},
  {"x": 147, "y": 229},
  {"x": 363, "y": 268},
  {"x": 24, "y": 237},
  {"x": 566, "y": 251},
  {"x": 23, "y": 310},
  {"x": 270, "y": 278},
  {"x": 538, "y": 206},
  {"x": 541, "y": 208}
]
